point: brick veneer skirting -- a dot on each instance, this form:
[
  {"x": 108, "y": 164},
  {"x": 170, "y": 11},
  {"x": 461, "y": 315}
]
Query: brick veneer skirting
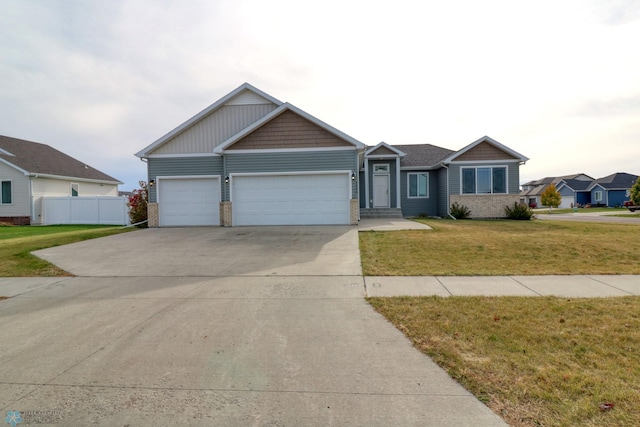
[
  {"x": 226, "y": 219},
  {"x": 355, "y": 211},
  {"x": 152, "y": 214},
  {"x": 16, "y": 220},
  {"x": 486, "y": 205}
]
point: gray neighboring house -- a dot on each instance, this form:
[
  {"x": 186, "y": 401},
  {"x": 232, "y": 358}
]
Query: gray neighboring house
[
  {"x": 250, "y": 159},
  {"x": 612, "y": 190},
  {"x": 567, "y": 185},
  {"x": 30, "y": 171}
]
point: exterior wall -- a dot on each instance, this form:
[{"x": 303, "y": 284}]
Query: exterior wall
[
  {"x": 513, "y": 176},
  {"x": 300, "y": 161},
  {"x": 354, "y": 212},
  {"x": 183, "y": 166},
  {"x": 616, "y": 198},
  {"x": 484, "y": 151},
  {"x": 226, "y": 214},
  {"x": 416, "y": 207},
  {"x": 213, "y": 130},
  {"x": 393, "y": 182},
  {"x": 486, "y": 205},
  {"x": 152, "y": 215},
  {"x": 62, "y": 188},
  {"x": 593, "y": 196},
  {"x": 568, "y": 197},
  {"x": 443, "y": 192},
  {"x": 20, "y": 206},
  {"x": 289, "y": 130}
]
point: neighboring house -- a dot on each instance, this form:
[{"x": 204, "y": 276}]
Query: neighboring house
[
  {"x": 30, "y": 171},
  {"x": 532, "y": 191},
  {"x": 574, "y": 192},
  {"x": 612, "y": 190},
  {"x": 250, "y": 159}
]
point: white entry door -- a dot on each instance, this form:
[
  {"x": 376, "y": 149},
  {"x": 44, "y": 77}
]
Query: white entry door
[{"x": 381, "y": 191}]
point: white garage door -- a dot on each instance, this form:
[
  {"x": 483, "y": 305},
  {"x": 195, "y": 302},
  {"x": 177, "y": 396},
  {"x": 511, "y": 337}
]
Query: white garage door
[
  {"x": 188, "y": 201},
  {"x": 301, "y": 199}
]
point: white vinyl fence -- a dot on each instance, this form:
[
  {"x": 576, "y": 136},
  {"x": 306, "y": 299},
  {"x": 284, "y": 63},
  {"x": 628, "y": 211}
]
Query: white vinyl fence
[{"x": 107, "y": 210}]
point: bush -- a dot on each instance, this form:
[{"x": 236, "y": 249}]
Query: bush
[
  {"x": 460, "y": 211},
  {"x": 518, "y": 211},
  {"x": 138, "y": 205}
]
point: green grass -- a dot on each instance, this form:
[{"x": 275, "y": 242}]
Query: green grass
[
  {"x": 535, "y": 361},
  {"x": 579, "y": 210},
  {"x": 17, "y": 243},
  {"x": 502, "y": 247}
]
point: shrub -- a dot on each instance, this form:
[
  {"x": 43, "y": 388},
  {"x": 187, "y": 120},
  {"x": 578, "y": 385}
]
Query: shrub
[
  {"x": 518, "y": 211},
  {"x": 460, "y": 211},
  {"x": 138, "y": 205}
]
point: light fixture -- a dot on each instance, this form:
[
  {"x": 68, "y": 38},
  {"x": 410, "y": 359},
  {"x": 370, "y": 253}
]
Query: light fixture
[
  {"x": 353, "y": 176},
  {"x": 152, "y": 183},
  {"x": 226, "y": 180}
]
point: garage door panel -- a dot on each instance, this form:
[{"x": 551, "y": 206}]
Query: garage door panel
[
  {"x": 291, "y": 199},
  {"x": 189, "y": 201}
]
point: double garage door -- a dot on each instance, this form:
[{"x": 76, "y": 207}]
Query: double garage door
[{"x": 286, "y": 199}]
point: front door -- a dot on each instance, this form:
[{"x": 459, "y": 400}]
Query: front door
[{"x": 380, "y": 191}]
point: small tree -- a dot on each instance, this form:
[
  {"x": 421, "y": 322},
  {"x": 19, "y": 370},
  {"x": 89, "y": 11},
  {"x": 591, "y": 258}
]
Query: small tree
[
  {"x": 634, "y": 194},
  {"x": 138, "y": 205},
  {"x": 551, "y": 197}
]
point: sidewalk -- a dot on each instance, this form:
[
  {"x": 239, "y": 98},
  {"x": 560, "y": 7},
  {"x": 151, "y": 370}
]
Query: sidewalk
[{"x": 590, "y": 286}]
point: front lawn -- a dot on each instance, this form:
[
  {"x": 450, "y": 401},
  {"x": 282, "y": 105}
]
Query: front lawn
[
  {"x": 502, "y": 247},
  {"x": 17, "y": 243},
  {"x": 534, "y": 361}
]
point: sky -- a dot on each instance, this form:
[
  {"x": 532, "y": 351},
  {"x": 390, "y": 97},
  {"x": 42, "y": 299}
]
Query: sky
[{"x": 557, "y": 81}]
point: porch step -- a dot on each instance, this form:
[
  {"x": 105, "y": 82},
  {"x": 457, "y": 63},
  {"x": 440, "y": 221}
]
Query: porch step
[{"x": 381, "y": 213}]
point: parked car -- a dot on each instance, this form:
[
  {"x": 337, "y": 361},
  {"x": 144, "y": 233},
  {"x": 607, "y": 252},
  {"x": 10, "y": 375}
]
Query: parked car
[{"x": 629, "y": 205}]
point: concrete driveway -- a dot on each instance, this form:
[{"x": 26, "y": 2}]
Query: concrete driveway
[{"x": 242, "y": 326}]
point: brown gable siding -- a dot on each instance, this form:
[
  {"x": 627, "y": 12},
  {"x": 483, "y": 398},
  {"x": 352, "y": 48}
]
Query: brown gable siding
[
  {"x": 382, "y": 151},
  {"x": 484, "y": 151},
  {"x": 289, "y": 130}
]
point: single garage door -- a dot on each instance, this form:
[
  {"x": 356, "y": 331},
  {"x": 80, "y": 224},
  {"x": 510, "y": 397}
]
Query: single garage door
[
  {"x": 300, "y": 199},
  {"x": 188, "y": 201}
]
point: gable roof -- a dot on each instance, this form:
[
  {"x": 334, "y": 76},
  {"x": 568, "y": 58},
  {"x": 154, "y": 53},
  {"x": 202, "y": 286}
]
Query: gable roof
[
  {"x": 575, "y": 184},
  {"x": 226, "y": 145},
  {"x": 384, "y": 150},
  {"x": 616, "y": 181},
  {"x": 488, "y": 140},
  {"x": 243, "y": 89},
  {"x": 33, "y": 158},
  {"x": 422, "y": 155}
]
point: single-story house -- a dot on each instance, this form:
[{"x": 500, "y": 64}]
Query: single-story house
[
  {"x": 574, "y": 192},
  {"x": 30, "y": 171},
  {"x": 250, "y": 159},
  {"x": 612, "y": 190},
  {"x": 532, "y": 191}
]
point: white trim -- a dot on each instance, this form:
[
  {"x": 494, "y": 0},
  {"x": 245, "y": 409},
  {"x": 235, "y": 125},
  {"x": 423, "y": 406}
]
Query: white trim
[
  {"x": 71, "y": 184},
  {"x": 506, "y": 180},
  {"x": 478, "y": 162},
  {"x": 166, "y": 156},
  {"x": 595, "y": 196},
  {"x": 378, "y": 172},
  {"x": 74, "y": 178},
  {"x": 409, "y": 196},
  {"x": 8, "y": 163},
  {"x": 389, "y": 147},
  {"x": 176, "y": 177},
  {"x": 519, "y": 157},
  {"x": 10, "y": 181},
  {"x": 288, "y": 150},
  {"x": 6, "y": 153},
  {"x": 366, "y": 182},
  {"x": 421, "y": 168}
]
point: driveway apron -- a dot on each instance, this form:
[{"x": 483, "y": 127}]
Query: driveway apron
[{"x": 256, "y": 326}]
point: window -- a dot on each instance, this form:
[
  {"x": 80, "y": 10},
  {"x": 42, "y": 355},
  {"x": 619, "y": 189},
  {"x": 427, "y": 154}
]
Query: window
[
  {"x": 418, "y": 185},
  {"x": 74, "y": 190},
  {"x": 484, "y": 180},
  {"x": 381, "y": 168},
  {"x": 598, "y": 196},
  {"x": 7, "y": 198}
]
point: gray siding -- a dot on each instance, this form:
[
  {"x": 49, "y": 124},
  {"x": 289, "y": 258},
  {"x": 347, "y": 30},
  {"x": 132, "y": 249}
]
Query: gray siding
[
  {"x": 416, "y": 207},
  {"x": 513, "y": 176},
  {"x": 182, "y": 166},
  {"x": 443, "y": 195},
  {"x": 301, "y": 161},
  {"x": 213, "y": 130},
  {"x": 20, "y": 199}
]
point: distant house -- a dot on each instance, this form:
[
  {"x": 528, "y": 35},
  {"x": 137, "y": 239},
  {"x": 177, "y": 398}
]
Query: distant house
[
  {"x": 30, "y": 171},
  {"x": 532, "y": 191},
  {"x": 574, "y": 192},
  {"x": 250, "y": 159},
  {"x": 612, "y": 190}
]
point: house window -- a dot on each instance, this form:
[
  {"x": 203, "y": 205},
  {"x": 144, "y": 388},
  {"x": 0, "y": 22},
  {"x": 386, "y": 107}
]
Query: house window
[
  {"x": 418, "y": 184},
  {"x": 7, "y": 198},
  {"x": 598, "y": 196},
  {"x": 381, "y": 168},
  {"x": 484, "y": 180},
  {"x": 74, "y": 190}
]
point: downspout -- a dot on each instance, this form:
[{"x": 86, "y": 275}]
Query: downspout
[
  {"x": 448, "y": 212},
  {"x": 366, "y": 181},
  {"x": 398, "y": 183}
]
